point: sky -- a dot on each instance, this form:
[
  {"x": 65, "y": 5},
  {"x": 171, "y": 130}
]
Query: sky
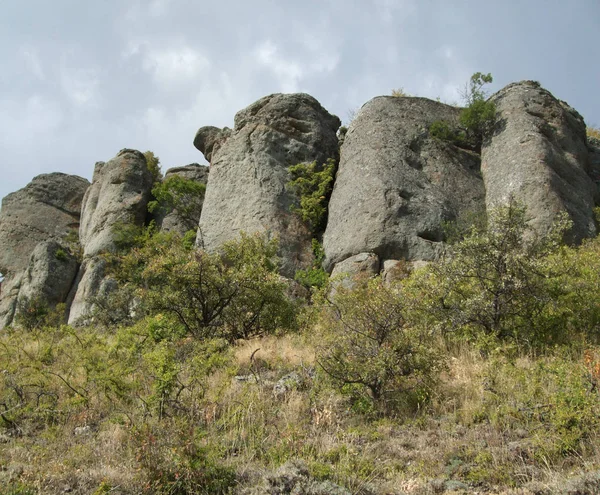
[{"x": 80, "y": 80}]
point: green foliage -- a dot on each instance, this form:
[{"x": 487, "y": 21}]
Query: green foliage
[
  {"x": 234, "y": 294},
  {"x": 553, "y": 398},
  {"x": 153, "y": 164},
  {"x": 494, "y": 285},
  {"x": 313, "y": 183},
  {"x": 180, "y": 195},
  {"x": 476, "y": 120},
  {"x": 177, "y": 463},
  {"x": 456, "y": 230},
  {"x": 31, "y": 312},
  {"x": 593, "y": 135},
  {"x": 61, "y": 255},
  {"x": 315, "y": 276},
  {"x": 368, "y": 347}
]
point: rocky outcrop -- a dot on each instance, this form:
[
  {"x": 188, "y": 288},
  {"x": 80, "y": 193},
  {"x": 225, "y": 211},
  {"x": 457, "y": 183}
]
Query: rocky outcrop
[
  {"x": 249, "y": 171},
  {"x": 538, "y": 156},
  {"x": 47, "y": 208},
  {"x": 46, "y": 211},
  {"x": 49, "y": 276},
  {"x": 118, "y": 195},
  {"x": 396, "y": 185},
  {"x": 183, "y": 221}
]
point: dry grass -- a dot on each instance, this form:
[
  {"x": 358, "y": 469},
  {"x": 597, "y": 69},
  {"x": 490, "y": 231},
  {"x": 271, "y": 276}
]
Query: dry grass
[{"x": 467, "y": 432}]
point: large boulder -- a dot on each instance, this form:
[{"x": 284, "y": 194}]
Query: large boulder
[
  {"x": 396, "y": 185},
  {"x": 538, "y": 156},
  {"x": 182, "y": 222},
  {"x": 247, "y": 186},
  {"x": 119, "y": 194},
  {"x": 49, "y": 276},
  {"x": 46, "y": 210}
]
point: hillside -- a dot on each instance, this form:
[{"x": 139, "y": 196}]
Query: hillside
[{"x": 407, "y": 305}]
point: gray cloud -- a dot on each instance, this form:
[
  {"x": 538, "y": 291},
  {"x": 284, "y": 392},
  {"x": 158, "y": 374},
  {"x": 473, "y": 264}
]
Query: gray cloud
[{"x": 82, "y": 80}]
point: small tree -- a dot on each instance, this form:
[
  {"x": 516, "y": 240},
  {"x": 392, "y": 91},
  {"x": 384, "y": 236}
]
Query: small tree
[
  {"x": 180, "y": 195},
  {"x": 234, "y": 294},
  {"x": 476, "y": 119},
  {"x": 368, "y": 345},
  {"x": 493, "y": 285},
  {"x": 153, "y": 164}
]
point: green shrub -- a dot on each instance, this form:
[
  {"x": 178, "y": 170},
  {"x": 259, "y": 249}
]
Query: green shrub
[
  {"x": 180, "y": 195},
  {"x": 371, "y": 353},
  {"x": 315, "y": 276},
  {"x": 153, "y": 164},
  {"x": 234, "y": 294},
  {"x": 312, "y": 183},
  {"x": 31, "y": 312},
  {"x": 61, "y": 255},
  {"x": 494, "y": 285},
  {"x": 476, "y": 120},
  {"x": 175, "y": 463}
]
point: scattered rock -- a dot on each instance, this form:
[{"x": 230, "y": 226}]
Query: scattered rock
[
  {"x": 293, "y": 478},
  {"x": 247, "y": 186},
  {"x": 538, "y": 156},
  {"x": 359, "y": 267}
]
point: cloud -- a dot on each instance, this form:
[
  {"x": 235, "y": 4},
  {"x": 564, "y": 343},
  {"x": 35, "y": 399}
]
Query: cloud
[
  {"x": 32, "y": 60},
  {"x": 172, "y": 65},
  {"x": 288, "y": 73}
]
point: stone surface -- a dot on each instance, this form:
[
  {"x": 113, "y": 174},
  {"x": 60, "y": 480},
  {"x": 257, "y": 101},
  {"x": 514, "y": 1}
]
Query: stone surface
[
  {"x": 594, "y": 173},
  {"x": 209, "y": 139},
  {"x": 173, "y": 221},
  {"x": 396, "y": 185},
  {"x": 47, "y": 209},
  {"x": 293, "y": 477},
  {"x": 538, "y": 156},
  {"x": 50, "y": 274},
  {"x": 247, "y": 189},
  {"x": 119, "y": 194}
]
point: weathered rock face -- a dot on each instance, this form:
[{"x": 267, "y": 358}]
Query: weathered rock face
[
  {"x": 119, "y": 194},
  {"x": 47, "y": 209},
  {"x": 50, "y": 274},
  {"x": 538, "y": 156},
  {"x": 175, "y": 221},
  {"x": 594, "y": 149},
  {"x": 396, "y": 185},
  {"x": 249, "y": 171}
]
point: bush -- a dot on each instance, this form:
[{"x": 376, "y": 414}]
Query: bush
[
  {"x": 593, "y": 135},
  {"x": 369, "y": 348},
  {"x": 476, "y": 120},
  {"x": 153, "y": 164},
  {"x": 315, "y": 276},
  {"x": 234, "y": 294},
  {"x": 313, "y": 184},
  {"x": 180, "y": 195},
  {"x": 494, "y": 285},
  {"x": 176, "y": 463}
]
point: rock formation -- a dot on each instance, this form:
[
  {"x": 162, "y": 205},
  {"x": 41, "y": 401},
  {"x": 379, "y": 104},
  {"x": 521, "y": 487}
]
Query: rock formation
[
  {"x": 396, "y": 186},
  {"x": 44, "y": 211},
  {"x": 538, "y": 156},
  {"x": 174, "y": 221},
  {"x": 118, "y": 195},
  {"x": 249, "y": 171}
]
